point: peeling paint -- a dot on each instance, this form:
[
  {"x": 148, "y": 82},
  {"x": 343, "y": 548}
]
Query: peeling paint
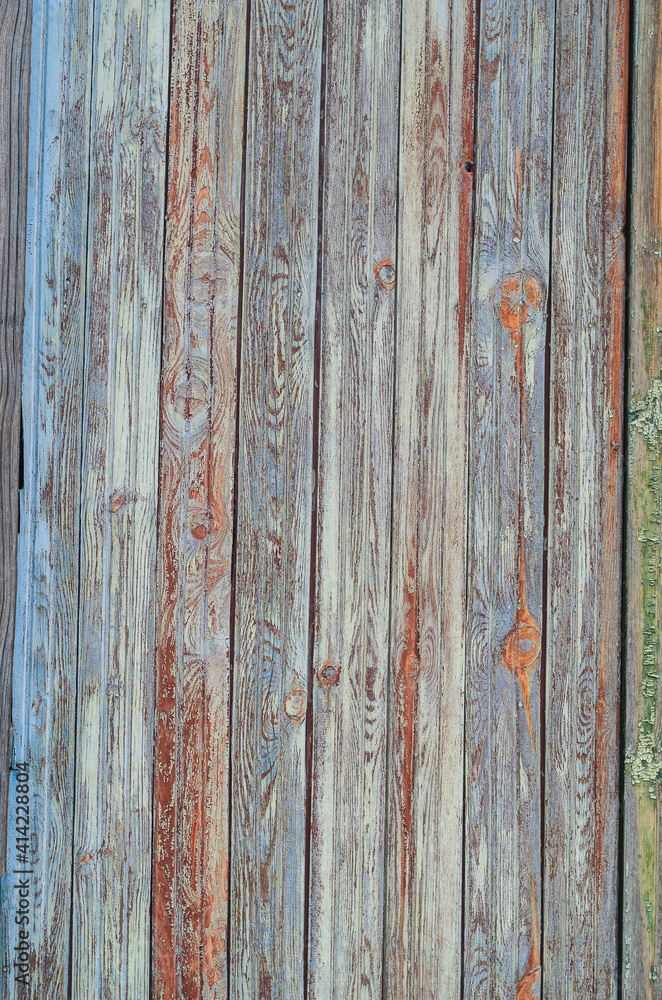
[{"x": 646, "y": 415}]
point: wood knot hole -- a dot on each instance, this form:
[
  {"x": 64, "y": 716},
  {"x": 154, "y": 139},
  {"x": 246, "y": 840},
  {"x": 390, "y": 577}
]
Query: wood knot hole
[
  {"x": 117, "y": 500},
  {"x": 329, "y": 674},
  {"x": 385, "y": 273},
  {"x": 468, "y": 167}
]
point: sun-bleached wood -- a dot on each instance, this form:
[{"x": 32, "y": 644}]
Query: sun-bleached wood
[
  {"x": 274, "y": 501},
  {"x": 112, "y": 831},
  {"x": 350, "y": 662},
  {"x": 503, "y": 850},
  {"x": 47, "y": 597},
  {"x": 14, "y": 94},
  {"x": 425, "y": 772},
  {"x": 585, "y": 465},
  {"x": 198, "y": 418}
]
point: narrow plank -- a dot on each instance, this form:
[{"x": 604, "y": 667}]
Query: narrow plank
[
  {"x": 642, "y": 926},
  {"x": 14, "y": 97},
  {"x": 506, "y": 509},
  {"x": 583, "y": 642},
  {"x": 642, "y": 917},
  {"x": 115, "y": 693},
  {"x": 350, "y": 661},
  {"x": 274, "y": 501},
  {"x": 425, "y": 774},
  {"x": 198, "y": 395},
  {"x": 47, "y": 600}
]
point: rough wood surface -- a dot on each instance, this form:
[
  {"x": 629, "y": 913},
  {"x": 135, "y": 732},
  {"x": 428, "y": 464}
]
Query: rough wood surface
[
  {"x": 191, "y": 828},
  {"x": 47, "y": 602},
  {"x": 112, "y": 833},
  {"x": 350, "y": 662},
  {"x": 274, "y": 500},
  {"x": 642, "y": 830},
  {"x": 585, "y": 491},
  {"x": 14, "y": 96},
  {"x": 506, "y": 508},
  {"x": 425, "y": 774}
]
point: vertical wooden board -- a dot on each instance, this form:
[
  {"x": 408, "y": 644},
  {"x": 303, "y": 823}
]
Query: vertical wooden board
[
  {"x": 350, "y": 662},
  {"x": 14, "y": 94},
  {"x": 198, "y": 395},
  {"x": 274, "y": 500},
  {"x": 642, "y": 926},
  {"x": 47, "y": 599},
  {"x": 583, "y": 641},
  {"x": 425, "y": 773},
  {"x": 506, "y": 510},
  {"x": 115, "y": 704}
]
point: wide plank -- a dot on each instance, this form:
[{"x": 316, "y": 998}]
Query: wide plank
[
  {"x": 585, "y": 500},
  {"x": 350, "y": 661},
  {"x": 423, "y": 929},
  {"x": 274, "y": 502},
  {"x": 47, "y": 597},
  {"x": 14, "y": 96},
  {"x": 198, "y": 425},
  {"x": 112, "y": 832},
  {"x": 506, "y": 507}
]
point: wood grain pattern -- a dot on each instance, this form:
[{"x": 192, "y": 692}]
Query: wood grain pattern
[
  {"x": 506, "y": 477},
  {"x": 112, "y": 832},
  {"x": 47, "y": 600},
  {"x": 426, "y": 775},
  {"x": 198, "y": 394},
  {"x": 350, "y": 662},
  {"x": 14, "y": 95},
  {"x": 642, "y": 923},
  {"x": 583, "y": 642},
  {"x": 275, "y": 502}
]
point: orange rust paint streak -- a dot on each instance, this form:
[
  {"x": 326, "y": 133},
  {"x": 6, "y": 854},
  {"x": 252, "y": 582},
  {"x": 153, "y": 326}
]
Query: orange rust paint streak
[
  {"x": 406, "y": 698},
  {"x": 533, "y": 968},
  {"x": 523, "y": 644}
]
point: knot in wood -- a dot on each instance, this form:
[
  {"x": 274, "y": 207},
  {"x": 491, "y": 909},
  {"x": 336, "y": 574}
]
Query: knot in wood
[
  {"x": 521, "y": 297},
  {"x": 329, "y": 674},
  {"x": 385, "y": 273},
  {"x": 117, "y": 500},
  {"x": 295, "y": 703}
]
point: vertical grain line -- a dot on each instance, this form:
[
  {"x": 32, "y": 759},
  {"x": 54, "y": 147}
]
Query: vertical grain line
[
  {"x": 150, "y": 956},
  {"x": 393, "y": 467},
  {"x": 629, "y": 193},
  {"x": 468, "y": 324},
  {"x": 235, "y": 478},
  {"x": 85, "y": 304},
  {"x": 317, "y": 358},
  {"x": 547, "y": 418}
]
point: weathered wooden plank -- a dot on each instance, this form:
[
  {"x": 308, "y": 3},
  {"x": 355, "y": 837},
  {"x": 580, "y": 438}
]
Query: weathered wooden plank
[
  {"x": 198, "y": 395},
  {"x": 350, "y": 663},
  {"x": 274, "y": 501},
  {"x": 14, "y": 96},
  {"x": 46, "y": 628},
  {"x": 642, "y": 925},
  {"x": 583, "y": 641},
  {"x": 506, "y": 475},
  {"x": 426, "y": 775},
  {"x": 112, "y": 832}
]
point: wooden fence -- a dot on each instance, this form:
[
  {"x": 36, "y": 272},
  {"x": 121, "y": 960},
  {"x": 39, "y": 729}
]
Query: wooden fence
[{"x": 312, "y": 529}]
